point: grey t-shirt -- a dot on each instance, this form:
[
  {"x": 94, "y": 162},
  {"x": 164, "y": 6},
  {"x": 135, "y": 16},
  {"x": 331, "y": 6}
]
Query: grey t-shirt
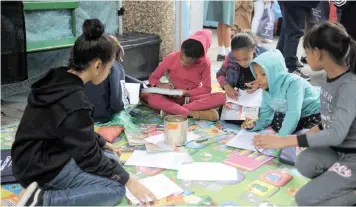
[{"x": 338, "y": 114}]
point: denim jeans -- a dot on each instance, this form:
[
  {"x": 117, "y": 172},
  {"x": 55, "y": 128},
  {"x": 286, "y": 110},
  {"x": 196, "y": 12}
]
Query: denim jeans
[
  {"x": 74, "y": 187},
  {"x": 292, "y": 30}
]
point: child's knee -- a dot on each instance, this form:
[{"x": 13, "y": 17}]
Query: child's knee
[
  {"x": 154, "y": 100},
  {"x": 220, "y": 98},
  {"x": 306, "y": 163},
  {"x": 117, "y": 193}
]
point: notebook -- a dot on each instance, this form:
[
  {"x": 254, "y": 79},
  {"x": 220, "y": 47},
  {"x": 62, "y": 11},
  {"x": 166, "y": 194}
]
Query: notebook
[{"x": 247, "y": 160}]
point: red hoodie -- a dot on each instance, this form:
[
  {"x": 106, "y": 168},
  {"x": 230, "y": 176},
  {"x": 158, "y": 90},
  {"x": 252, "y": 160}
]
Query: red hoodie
[{"x": 196, "y": 78}]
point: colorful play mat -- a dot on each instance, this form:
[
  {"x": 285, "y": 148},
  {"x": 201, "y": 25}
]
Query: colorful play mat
[{"x": 262, "y": 181}]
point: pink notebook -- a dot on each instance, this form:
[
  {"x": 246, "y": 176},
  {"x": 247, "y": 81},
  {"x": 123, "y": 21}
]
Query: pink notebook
[{"x": 247, "y": 160}]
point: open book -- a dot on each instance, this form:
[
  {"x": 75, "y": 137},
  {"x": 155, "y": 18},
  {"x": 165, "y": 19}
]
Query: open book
[
  {"x": 245, "y": 107},
  {"x": 163, "y": 91}
]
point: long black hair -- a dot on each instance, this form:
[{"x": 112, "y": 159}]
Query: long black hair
[
  {"x": 244, "y": 39},
  {"x": 333, "y": 38},
  {"x": 91, "y": 45}
]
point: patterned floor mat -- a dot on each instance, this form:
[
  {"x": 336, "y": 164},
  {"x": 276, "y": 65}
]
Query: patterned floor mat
[{"x": 272, "y": 184}]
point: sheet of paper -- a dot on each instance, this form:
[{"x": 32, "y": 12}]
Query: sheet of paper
[
  {"x": 134, "y": 92},
  {"x": 165, "y": 160},
  {"x": 192, "y": 136},
  {"x": 243, "y": 140},
  {"x": 160, "y": 185},
  {"x": 163, "y": 91},
  {"x": 159, "y": 139},
  {"x": 207, "y": 171},
  {"x": 246, "y": 99}
]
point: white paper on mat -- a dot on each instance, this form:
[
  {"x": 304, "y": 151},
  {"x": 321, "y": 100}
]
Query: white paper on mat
[
  {"x": 208, "y": 171},
  {"x": 243, "y": 140},
  {"x": 192, "y": 136},
  {"x": 134, "y": 92},
  {"x": 160, "y": 185},
  {"x": 163, "y": 91},
  {"x": 165, "y": 160},
  {"x": 245, "y": 99},
  {"x": 159, "y": 139}
]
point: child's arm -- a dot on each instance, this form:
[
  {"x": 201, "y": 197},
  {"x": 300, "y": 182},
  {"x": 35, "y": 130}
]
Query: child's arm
[
  {"x": 342, "y": 117},
  {"x": 295, "y": 98},
  {"x": 221, "y": 74},
  {"x": 81, "y": 143},
  {"x": 206, "y": 83},
  {"x": 117, "y": 74},
  {"x": 265, "y": 114},
  {"x": 159, "y": 72}
]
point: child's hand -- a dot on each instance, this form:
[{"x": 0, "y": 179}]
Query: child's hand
[
  {"x": 165, "y": 85},
  {"x": 248, "y": 124},
  {"x": 138, "y": 190},
  {"x": 230, "y": 92},
  {"x": 268, "y": 141},
  {"x": 253, "y": 86},
  {"x": 112, "y": 148}
]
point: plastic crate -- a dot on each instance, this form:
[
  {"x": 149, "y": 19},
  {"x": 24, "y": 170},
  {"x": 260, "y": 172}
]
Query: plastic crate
[{"x": 141, "y": 53}]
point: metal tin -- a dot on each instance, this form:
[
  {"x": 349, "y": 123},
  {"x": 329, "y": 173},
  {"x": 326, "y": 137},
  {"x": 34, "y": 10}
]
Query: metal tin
[{"x": 175, "y": 130}]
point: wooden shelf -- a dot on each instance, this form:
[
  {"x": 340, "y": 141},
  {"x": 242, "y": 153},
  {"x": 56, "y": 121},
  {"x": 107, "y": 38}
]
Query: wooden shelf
[
  {"x": 52, "y": 5},
  {"x": 50, "y": 44},
  {"x": 41, "y": 5}
]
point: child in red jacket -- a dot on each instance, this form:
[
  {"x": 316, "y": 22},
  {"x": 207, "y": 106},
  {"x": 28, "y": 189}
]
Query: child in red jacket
[{"x": 190, "y": 71}]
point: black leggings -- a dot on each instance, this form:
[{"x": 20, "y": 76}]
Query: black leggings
[{"x": 304, "y": 122}]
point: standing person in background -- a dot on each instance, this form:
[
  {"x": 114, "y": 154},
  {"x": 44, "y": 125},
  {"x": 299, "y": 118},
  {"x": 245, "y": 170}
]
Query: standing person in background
[
  {"x": 243, "y": 15},
  {"x": 318, "y": 15},
  {"x": 294, "y": 14},
  {"x": 348, "y": 15},
  {"x": 222, "y": 12},
  {"x": 258, "y": 8}
]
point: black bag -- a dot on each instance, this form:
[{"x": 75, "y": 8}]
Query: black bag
[
  {"x": 266, "y": 27},
  {"x": 6, "y": 167}
]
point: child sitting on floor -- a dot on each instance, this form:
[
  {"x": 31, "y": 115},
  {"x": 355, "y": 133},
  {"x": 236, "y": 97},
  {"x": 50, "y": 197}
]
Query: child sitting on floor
[
  {"x": 56, "y": 155},
  {"x": 190, "y": 71},
  {"x": 330, "y": 159},
  {"x": 289, "y": 102},
  {"x": 235, "y": 72},
  {"x": 110, "y": 97}
]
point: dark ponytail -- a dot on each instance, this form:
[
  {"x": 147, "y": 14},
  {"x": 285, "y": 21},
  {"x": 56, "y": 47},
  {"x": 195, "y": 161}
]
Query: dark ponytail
[
  {"x": 244, "y": 39},
  {"x": 352, "y": 56},
  {"x": 333, "y": 38},
  {"x": 93, "y": 44}
]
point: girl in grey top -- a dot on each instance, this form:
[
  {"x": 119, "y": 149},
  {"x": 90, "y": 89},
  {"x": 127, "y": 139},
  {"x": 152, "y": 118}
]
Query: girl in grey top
[{"x": 330, "y": 160}]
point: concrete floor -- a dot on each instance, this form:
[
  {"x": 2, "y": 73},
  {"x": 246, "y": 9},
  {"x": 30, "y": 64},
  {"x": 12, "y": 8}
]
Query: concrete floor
[{"x": 316, "y": 77}]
